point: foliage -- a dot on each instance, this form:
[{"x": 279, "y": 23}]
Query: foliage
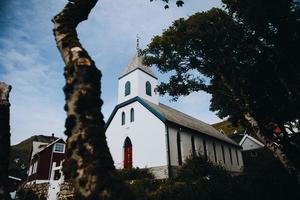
[
  {"x": 266, "y": 177},
  {"x": 198, "y": 178},
  {"x": 135, "y": 173},
  {"x": 198, "y": 168},
  {"x": 179, "y": 3},
  {"x": 245, "y": 57},
  {"x": 28, "y": 194}
]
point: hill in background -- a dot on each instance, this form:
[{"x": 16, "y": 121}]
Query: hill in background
[{"x": 227, "y": 127}]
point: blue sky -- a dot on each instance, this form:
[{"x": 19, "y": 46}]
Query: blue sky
[{"x": 30, "y": 62}]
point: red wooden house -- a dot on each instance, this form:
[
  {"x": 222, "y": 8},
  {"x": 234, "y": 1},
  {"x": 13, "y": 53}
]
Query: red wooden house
[{"x": 44, "y": 158}]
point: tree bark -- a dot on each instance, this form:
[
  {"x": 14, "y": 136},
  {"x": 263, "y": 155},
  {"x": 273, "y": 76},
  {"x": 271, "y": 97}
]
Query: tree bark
[
  {"x": 4, "y": 139},
  {"x": 88, "y": 163}
]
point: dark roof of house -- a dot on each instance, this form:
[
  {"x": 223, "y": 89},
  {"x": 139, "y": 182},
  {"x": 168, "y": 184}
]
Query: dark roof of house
[{"x": 170, "y": 115}]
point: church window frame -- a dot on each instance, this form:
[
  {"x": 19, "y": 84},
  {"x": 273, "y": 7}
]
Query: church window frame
[
  {"x": 123, "y": 118},
  {"x": 230, "y": 155},
  {"x": 237, "y": 157},
  {"x": 148, "y": 88},
  {"x": 193, "y": 146},
  {"x": 215, "y": 153},
  {"x": 179, "y": 149},
  {"x": 131, "y": 115},
  {"x": 204, "y": 148},
  {"x": 127, "y": 88},
  {"x": 223, "y": 154}
]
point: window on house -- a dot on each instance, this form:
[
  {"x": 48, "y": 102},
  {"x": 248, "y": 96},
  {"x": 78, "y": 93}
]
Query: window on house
[
  {"x": 215, "y": 153},
  {"x": 59, "y": 148},
  {"x": 127, "y": 153},
  {"x": 179, "y": 149},
  {"x": 123, "y": 118},
  {"x": 193, "y": 146},
  {"x": 204, "y": 149},
  {"x": 148, "y": 88},
  {"x": 131, "y": 115},
  {"x": 237, "y": 157},
  {"x": 230, "y": 155},
  {"x": 127, "y": 88},
  {"x": 223, "y": 154}
]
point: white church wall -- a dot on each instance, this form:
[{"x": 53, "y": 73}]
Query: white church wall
[
  {"x": 138, "y": 81},
  {"x": 147, "y": 134},
  {"x": 199, "y": 145},
  {"x": 133, "y": 78},
  {"x": 173, "y": 145},
  {"x": 141, "y": 88},
  {"x": 186, "y": 144},
  {"x": 186, "y": 149}
]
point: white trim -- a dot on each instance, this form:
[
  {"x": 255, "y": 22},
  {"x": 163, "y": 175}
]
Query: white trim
[
  {"x": 14, "y": 178},
  {"x": 250, "y": 138},
  {"x": 37, "y": 181}
]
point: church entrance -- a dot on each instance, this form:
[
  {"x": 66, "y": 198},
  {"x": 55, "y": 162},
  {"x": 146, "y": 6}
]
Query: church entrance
[{"x": 127, "y": 153}]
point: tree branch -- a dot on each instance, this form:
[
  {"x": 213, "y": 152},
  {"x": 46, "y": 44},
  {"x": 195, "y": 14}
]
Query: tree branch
[{"x": 88, "y": 161}]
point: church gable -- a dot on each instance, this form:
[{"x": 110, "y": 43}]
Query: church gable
[{"x": 145, "y": 131}]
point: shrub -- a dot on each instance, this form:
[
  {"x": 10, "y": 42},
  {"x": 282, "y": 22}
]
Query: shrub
[
  {"x": 135, "y": 174},
  {"x": 196, "y": 168}
]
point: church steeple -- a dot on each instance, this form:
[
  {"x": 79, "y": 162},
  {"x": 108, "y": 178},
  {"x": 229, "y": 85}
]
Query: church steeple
[{"x": 137, "y": 79}]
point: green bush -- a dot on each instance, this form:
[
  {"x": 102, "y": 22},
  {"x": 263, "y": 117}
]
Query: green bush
[
  {"x": 135, "y": 174},
  {"x": 197, "y": 168}
]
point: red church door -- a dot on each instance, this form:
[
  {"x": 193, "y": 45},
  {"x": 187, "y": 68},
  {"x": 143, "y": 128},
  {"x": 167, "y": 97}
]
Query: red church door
[{"x": 127, "y": 153}]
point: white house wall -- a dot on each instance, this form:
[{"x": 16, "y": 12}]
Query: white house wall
[
  {"x": 248, "y": 144},
  {"x": 147, "y": 134},
  {"x": 186, "y": 149}
]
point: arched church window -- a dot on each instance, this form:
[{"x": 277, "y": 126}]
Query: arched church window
[
  {"x": 127, "y": 88},
  {"x": 127, "y": 153},
  {"x": 123, "y": 118},
  {"x": 148, "y": 88},
  {"x": 179, "y": 148},
  {"x": 131, "y": 115}
]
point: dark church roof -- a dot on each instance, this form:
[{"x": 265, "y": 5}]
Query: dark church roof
[
  {"x": 137, "y": 63},
  {"x": 170, "y": 115}
]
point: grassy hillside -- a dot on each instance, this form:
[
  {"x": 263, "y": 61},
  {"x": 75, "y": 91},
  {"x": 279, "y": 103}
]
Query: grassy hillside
[
  {"x": 227, "y": 127},
  {"x": 19, "y": 155}
]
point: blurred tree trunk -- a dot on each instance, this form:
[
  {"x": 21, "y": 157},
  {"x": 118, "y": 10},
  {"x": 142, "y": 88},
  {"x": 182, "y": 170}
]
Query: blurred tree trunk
[
  {"x": 4, "y": 139},
  {"x": 88, "y": 162}
]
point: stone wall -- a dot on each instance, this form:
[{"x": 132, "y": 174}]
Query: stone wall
[{"x": 66, "y": 192}]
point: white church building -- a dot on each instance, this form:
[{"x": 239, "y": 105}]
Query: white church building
[{"x": 141, "y": 132}]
